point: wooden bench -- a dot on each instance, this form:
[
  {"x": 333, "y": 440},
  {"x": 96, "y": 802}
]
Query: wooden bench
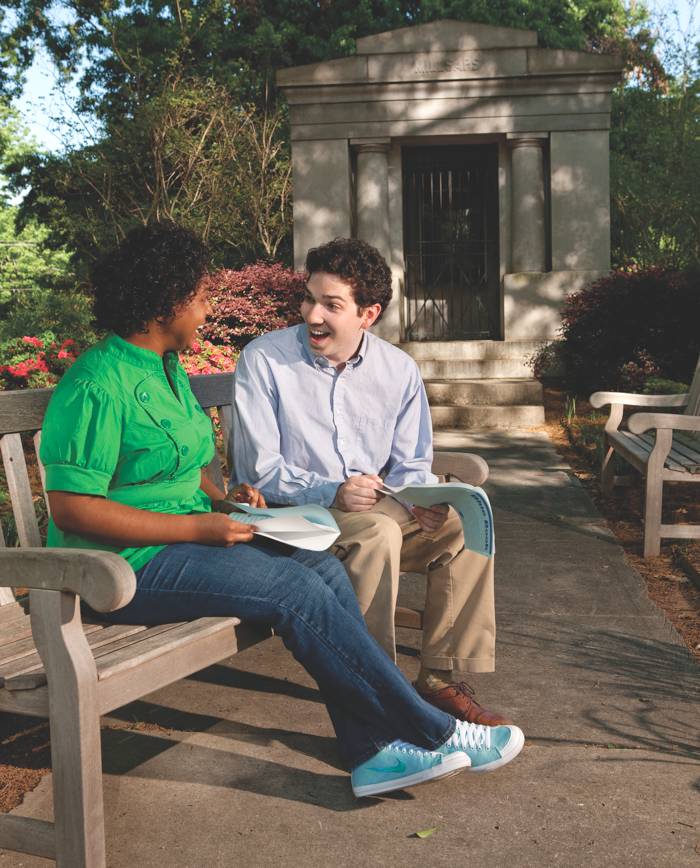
[
  {"x": 664, "y": 447},
  {"x": 55, "y": 665}
]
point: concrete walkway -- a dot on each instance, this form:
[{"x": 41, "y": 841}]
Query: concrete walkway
[{"x": 236, "y": 766}]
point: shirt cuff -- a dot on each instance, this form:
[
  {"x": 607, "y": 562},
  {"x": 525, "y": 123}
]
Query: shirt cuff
[
  {"x": 322, "y": 494},
  {"x": 79, "y": 480},
  {"x": 325, "y": 494}
]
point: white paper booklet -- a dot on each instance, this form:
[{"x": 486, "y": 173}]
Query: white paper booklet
[
  {"x": 306, "y": 527},
  {"x": 471, "y": 503}
]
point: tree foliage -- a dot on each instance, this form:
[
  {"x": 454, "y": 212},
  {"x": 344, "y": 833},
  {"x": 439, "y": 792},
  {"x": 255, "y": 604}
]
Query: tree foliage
[
  {"x": 191, "y": 155},
  {"x": 187, "y": 124},
  {"x": 655, "y": 177},
  {"x": 26, "y": 262},
  {"x": 123, "y": 51},
  {"x": 655, "y": 160}
]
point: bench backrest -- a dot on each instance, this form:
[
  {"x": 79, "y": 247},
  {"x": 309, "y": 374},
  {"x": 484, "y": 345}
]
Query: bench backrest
[
  {"x": 693, "y": 407},
  {"x": 22, "y": 412}
]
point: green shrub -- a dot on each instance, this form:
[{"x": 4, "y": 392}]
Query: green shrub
[
  {"x": 67, "y": 314},
  {"x": 662, "y": 386}
]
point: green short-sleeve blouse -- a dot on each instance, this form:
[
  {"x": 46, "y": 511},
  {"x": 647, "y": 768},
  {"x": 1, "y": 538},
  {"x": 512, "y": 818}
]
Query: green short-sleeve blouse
[{"x": 115, "y": 427}]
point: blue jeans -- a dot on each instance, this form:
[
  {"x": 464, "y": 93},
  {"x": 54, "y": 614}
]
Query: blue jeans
[{"x": 308, "y": 599}]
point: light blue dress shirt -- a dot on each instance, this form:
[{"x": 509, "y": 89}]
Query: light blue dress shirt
[{"x": 301, "y": 428}]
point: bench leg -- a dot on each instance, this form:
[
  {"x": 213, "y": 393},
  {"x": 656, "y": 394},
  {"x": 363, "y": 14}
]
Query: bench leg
[
  {"x": 654, "y": 493},
  {"x": 607, "y": 474},
  {"x": 75, "y": 730}
]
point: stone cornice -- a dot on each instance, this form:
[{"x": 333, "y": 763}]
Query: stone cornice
[{"x": 449, "y": 66}]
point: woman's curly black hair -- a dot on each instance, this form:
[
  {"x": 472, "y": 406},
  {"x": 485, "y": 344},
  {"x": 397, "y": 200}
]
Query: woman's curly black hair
[
  {"x": 147, "y": 276},
  {"x": 362, "y": 265}
]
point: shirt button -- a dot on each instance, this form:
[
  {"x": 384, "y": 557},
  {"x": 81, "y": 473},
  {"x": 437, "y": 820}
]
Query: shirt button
[
  {"x": 166, "y": 423},
  {"x": 184, "y": 450},
  {"x": 144, "y": 397}
]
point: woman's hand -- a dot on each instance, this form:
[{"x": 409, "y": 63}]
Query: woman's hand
[
  {"x": 245, "y": 493},
  {"x": 216, "y": 529}
]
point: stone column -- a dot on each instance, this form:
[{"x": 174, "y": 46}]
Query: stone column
[
  {"x": 372, "y": 200},
  {"x": 528, "y": 249}
]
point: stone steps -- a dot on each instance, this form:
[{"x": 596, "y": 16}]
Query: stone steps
[
  {"x": 446, "y": 417},
  {"x": 471, "y": 350},
  {"x": 479, "y": 384},
  {"x": 465, "y": 393},
  {"x": 473, "y": 369}
]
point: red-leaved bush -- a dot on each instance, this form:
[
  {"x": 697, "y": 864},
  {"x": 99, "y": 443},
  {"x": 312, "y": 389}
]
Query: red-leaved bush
[
  {"x": 627, "y": 327},
  {"x": 203, "y": 357},
  {"x": 251, "y": 301},
  {"x": 35, "y": 361}
]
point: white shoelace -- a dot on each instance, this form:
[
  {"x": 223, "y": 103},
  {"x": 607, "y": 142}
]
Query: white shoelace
[
  {"x": 471, "y": 735},
  {"x": 407, "y": 747}
]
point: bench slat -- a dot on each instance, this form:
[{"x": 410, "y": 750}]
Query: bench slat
[
  {"x": 42, "y": 469},
  {"x": 691, "y": 455},
  {"x": 154, "y": 646},
  {"x": 22, "y": 656},
  {"x": 23, "y": 410},
  {"x": 647, "y": 441},
  {"x": 98, "y": 634},
  {"x": 11, "y": 611},
  {"x": 212, "y": 390},
  {"x": 680, "y": 453},
  {"x": 20, "y": 492},
  {"x": 29, "y": 674},
  {"x": 14, "y": 631},
  {"x": 633, "y": 452}
]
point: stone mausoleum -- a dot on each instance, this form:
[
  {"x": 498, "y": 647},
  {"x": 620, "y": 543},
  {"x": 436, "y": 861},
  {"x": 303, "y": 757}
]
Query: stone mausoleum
[{"x": 478, "y": 164}]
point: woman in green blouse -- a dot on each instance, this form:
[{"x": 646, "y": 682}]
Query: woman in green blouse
[{"x": 125, "y": 445}]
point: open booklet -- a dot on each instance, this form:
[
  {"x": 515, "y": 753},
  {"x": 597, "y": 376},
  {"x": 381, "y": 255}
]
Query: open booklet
[
  {"x": 471, "y": 503},
  {"x": 306, "y": 527}
]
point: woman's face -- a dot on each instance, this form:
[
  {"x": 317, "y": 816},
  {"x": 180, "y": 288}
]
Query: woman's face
[{"x": 182, "y": 328}]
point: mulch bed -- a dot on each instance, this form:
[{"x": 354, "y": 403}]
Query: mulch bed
[{"x": 669, "y": 576}]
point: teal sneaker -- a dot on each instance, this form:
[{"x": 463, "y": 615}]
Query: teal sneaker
[
  {"x": 488, "y": 747},
  {"x": 400, "y": 765}
]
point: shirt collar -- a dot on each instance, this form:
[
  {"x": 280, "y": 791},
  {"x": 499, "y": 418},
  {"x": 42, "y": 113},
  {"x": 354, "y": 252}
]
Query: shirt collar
[
  {"x": 322, "y": 361},
  {"x": 147, "y": 360}
]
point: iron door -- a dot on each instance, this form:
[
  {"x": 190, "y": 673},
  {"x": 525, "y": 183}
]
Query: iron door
[{"x": 451, "y": 267}]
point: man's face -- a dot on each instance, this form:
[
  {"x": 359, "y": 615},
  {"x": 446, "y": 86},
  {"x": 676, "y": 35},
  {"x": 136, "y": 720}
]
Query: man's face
[{"x": 333, "y": 319}]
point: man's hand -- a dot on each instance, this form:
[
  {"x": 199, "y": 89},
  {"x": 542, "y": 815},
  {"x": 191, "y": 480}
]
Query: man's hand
[
  {"x": 358, "y": 494},
  {"x": 431, "y": 518},
  {"x": 215, "y": 529}
]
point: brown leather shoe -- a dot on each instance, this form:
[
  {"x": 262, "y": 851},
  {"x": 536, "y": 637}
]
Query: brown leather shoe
[{"x": 458, "y": 700}]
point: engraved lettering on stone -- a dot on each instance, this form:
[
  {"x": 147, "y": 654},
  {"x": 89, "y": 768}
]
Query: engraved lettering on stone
[{"x": 431, "y": 65}]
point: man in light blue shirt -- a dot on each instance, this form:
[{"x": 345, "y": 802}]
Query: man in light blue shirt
[{"x": 324, "y": 412}]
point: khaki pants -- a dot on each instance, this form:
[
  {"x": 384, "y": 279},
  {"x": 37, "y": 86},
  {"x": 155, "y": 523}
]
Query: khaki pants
[{"x": 459, "y": 623}]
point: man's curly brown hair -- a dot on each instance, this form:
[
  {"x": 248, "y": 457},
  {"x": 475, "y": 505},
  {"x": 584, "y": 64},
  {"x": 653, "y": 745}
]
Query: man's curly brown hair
[
  {"x": 362, "y": 265},
  {"x": 154, "y": 270}
]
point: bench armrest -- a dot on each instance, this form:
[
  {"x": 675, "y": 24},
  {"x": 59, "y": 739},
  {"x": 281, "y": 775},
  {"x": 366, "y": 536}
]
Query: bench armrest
[
  {"x": 630, "y": 399},
  {"x": 465, "y": 466},
  {"x": 638, "y": 423},
  {"x": 103, "y": 579}
]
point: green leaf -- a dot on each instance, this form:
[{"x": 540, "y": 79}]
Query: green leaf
[{"x": 425, "y": 833}]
